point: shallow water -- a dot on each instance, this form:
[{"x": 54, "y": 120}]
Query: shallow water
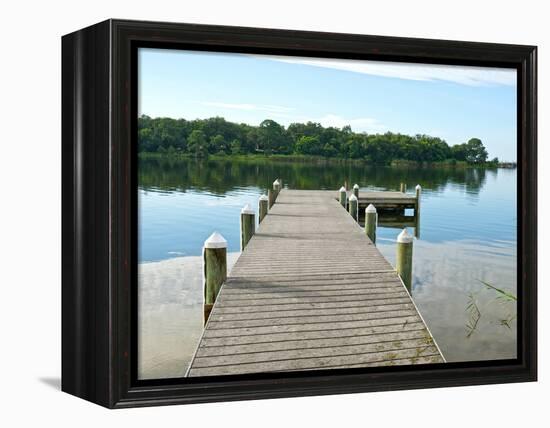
[
  {"x": 467, "y": 235},
  {"x": 170, "y": 315}
]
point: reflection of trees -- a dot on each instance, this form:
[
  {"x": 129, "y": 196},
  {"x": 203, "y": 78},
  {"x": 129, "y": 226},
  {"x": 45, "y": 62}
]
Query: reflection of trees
[
  {"x": 221, "y": 176},
  {"x": 474, "y": 179}
]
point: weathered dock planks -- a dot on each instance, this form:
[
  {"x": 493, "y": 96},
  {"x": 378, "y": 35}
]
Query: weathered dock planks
[{"x": 311, "y": 291}]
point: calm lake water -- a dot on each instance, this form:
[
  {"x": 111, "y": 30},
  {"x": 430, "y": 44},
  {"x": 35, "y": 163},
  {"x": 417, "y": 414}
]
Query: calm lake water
[{"x": 467, "y": 235}]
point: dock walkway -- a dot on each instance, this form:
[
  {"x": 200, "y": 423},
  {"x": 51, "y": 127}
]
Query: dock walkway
[{"x": 311, "y": 291}]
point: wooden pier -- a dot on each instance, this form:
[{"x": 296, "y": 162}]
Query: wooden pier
[
  {"x": 385, "y": 200},
  {"x": 311, "y": 291}
]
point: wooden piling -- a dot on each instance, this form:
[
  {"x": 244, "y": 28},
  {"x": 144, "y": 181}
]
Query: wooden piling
[
  {"x": 418, "y": 194},
  {"x": 248, "y": 225},
  {"x": 371, "y": 222},
  {"x": 404, "y": 258},
  {"x": 356, "y": 190},
  {"x": 270, "y": 197},
  {"x": 353, "y": 207},
  {"x": 403, "y": 188},
  {"x": 215, "y": 270},
  {"x": 343, "y": 196},
  {"x": 417, "y": 210},
  {"x": 276, "y": 189},
  {"x": 263, "y": 203}
]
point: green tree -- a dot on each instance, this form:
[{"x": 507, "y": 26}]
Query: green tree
[
  {"x": 380, "y": 150},
  {"x": 458, "y": 152},
  {"x": 146, "y": 141},
  {"x": 308, "y": 146},
  {"x": 253, "y": 141},
  {"x": 197, "y": 143},
  {"x": 236, "y": 147},
  {"x": 273, "y": 138},
  {"x": 475, "y": 151},
  {"x": 329, "y": 150},
  {"x": 432, "y": 149},
  {"x": 354, "y": 146},
  {"x": 217, "y": 145}
]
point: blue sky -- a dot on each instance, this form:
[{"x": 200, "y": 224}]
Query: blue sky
[{"x": 455, "y": 103}]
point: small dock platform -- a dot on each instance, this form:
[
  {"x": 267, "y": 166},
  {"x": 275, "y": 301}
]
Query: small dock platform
[
  {"x": 387, "y": 200},
  {"x": 311, "y": 291},
  {"x": 384, "y": 200}
]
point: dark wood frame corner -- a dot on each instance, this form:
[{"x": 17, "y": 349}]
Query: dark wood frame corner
[{"x": 99, "y": 114}]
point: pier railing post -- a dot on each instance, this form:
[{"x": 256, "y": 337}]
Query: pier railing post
[
  {"x": 404, "y": 258},
  {"x": 248, "y": 225},
  {"x": 343, "y": 196},
  {"x": 262, "y": 207},
  {"x": 353, "y": 206},
  {"x": 371, "y": 222},
  {"x": 356, "y": 190},
  {"x": 403, "y": 188},
  {"x": 215, "y": 269}
]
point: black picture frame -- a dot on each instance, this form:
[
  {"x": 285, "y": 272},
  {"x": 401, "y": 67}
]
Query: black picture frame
[{"x": 99, "y": 264}]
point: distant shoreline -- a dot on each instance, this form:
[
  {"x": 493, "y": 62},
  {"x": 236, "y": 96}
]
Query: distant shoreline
[{"x": 321, "y": 159}]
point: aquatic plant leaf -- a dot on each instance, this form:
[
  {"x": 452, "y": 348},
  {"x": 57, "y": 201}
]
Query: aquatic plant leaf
[{"x": 503, "y": 294}]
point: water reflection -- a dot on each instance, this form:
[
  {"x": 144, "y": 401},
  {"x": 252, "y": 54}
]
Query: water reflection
[
  {"x": 395, "y": 220},
  {"x": 444, "y": 274},
  {"x": 170, "y": 308},
  {"x": 468, "y": 224},
  {"x": 222, "y": 177}
]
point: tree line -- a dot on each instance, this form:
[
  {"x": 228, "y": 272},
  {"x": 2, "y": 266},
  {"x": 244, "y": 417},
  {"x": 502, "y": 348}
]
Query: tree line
[{"x": 202, "y": 137}]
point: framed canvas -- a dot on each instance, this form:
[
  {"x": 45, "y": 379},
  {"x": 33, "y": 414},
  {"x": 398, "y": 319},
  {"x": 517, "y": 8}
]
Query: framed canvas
[{"x": 253, "y": 213}]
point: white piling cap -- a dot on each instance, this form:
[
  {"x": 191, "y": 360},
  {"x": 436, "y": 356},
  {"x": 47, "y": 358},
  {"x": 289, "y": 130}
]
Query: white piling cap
[
  {"x": 404, "y": 237},
  {"x": 342, "y": 189},
  {"x": 247, "y": 209},
  {"x": 370, "y": 209},
  {"x": 215, "y": 241},
  {"x": 277, "y": 183},
  {"x": 353, "y": 197},
  {"x": 356, "y": 186},
  {"x": 264, "y": 198},
  {"x": 418, "y": 187}
]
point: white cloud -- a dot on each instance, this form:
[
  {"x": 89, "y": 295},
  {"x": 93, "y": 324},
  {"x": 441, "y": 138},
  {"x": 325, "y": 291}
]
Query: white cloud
[
  {"x": 464, "y": 75},
  {"x": 249, "y": 107}
]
